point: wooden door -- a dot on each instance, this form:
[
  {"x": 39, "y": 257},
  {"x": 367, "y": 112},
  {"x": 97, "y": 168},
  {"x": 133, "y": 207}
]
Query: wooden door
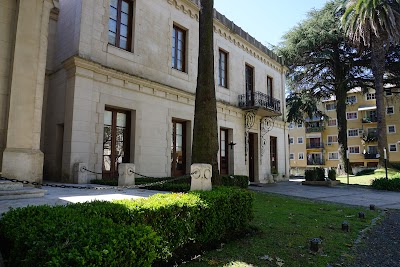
[
  {"x": 223, "y": 151},
  {"x": 252, "y": 156},
  {"x": 273, "y": 154},
  {"x": 178, "y": 148}
]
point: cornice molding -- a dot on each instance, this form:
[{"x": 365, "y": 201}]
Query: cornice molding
[{"x": 187, "y": 7}]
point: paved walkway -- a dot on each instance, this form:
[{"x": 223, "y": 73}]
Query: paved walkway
[
  {"x": 351, "y": 195},
  {"x": 62, "y": 196}
]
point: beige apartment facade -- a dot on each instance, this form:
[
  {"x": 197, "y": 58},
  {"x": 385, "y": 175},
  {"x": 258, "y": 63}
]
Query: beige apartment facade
[
  {"x": 119, "y": 87},
  {"x": 320, "y": 147}
]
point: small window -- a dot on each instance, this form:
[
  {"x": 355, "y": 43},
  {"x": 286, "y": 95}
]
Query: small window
[
  {"x": 301, "y": 156},
  {"x": 333, "y": 156},
  {"x": 300, "y": 140},
  {"x": 331, "y": 106},
  {"x": 120, "y": 24},
  {"x": 291, "y": 125},
  {"x": 390, "y": 110},
  {"x": 354, "y": 149},
  {"x": 269, "y": 86},
  {"x": 178, "y": 48},
  {"x": 291, "y": 140},
  {"x": 391, "y": 129},
  {"x": 332, "y": 122},
  {"x": 332, "y": 139},
  {"x": 352, "y": 133},
  {"x": 388, "y": 92},
  {"x": 351, "y": 99},
  {"x": 352, "y": 115},
  {"x": 393, "y": 147},
  {"x": 291, "y": 156},
  {"x": 223, "y": 69},
  {"x": 371, "y": 96},
  {"x": 300, "y": 125}
]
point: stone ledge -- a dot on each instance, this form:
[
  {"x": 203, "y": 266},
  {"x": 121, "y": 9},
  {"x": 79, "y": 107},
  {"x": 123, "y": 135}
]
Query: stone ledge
[
  {"x": 7, "y": 186},
  {"x": 22, "y": 193},
  {"x": 321, "y": 183}
]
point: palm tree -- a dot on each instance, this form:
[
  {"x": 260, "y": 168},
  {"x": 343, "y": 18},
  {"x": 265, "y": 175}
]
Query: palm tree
[
  {"x": 205, "y": 132},
  {"x": 374, "y": 24}
]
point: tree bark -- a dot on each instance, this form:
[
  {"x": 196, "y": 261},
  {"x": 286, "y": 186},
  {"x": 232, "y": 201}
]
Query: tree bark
[
  {"x": 378, "y": 69},
  {"x": 205, "y": 132}
]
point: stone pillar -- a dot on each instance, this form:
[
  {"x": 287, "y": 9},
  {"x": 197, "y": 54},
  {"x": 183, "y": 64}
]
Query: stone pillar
[
  {"x": 22, "y": 158},
  {"x": 126, "y": 174},
  {"x": 201, "y": 177},
  {"x": 80, "y": 173}
]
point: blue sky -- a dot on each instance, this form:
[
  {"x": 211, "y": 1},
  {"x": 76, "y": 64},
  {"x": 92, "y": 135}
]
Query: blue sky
[{"x": 267, "y": 20}]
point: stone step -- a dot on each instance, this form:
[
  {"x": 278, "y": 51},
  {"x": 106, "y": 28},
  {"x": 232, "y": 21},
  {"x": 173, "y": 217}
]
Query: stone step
[
  {"x": 8, "y": 186},
  {"x": 25, "y": 192}
]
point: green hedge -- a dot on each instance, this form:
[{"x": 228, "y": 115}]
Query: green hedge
[
  {"x": 365, "y": 172},
  {"x": 123, "y": 233},
  {"x": 317, "y": 174},
  {"x": 332, "y": 174},
  {"x": 386, "y": 184}
]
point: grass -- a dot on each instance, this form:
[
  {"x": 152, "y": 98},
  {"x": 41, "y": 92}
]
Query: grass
[
  {"x": 367, "y": 179},
  {"x": 284, "y": 228}
]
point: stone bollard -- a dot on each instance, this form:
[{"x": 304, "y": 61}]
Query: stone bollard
[
  {"x": 372, "y": 207},
  {"x": 126, "y": 174},
  {"x": 80, "y": 174},
  {"x": 345, "y": 226},
  {"x": 361, "y": 215},
  {"x": 201, "y": 177},
  {"x": 315, "y": 244}
]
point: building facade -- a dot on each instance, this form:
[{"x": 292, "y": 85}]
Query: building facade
[
  {"x": 119, "y": 86},
  {"x": 315, "y": 142}
]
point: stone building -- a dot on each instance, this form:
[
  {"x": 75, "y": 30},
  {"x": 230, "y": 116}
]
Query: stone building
[{"x": 103, "y": 82}]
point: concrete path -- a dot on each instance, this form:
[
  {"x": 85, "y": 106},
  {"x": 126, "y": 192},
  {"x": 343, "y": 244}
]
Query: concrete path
[
  {"x": 62, "y": 196},
  {"x": 345, "y": 194}
]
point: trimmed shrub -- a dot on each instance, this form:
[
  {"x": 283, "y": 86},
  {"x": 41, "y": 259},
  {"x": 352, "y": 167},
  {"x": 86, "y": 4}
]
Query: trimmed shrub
[
  {"x": 241, "y": 181},
  {"x": 317, "y": 174},
  {"x": 365, "y": 172},
  {"x": 332, "y": 174},
  {"x": 59, "y": 236},
  {"x": 386, "y": 184}
]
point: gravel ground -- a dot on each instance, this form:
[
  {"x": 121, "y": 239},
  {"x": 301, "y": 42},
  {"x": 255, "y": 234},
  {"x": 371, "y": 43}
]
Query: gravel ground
[{"x": 380, "y": 246}]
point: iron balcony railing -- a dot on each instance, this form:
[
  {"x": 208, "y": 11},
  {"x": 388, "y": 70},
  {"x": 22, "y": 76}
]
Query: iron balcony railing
[
  {"x": 369, "y": 119},
  {"x": 314, "y": 162},
  {"x": 371, "y": 137},
  {"x": 315, "y": 145},
  {"x": 259, "y": 100},
  {"x": 315, "y": 129},
  {"x": 370, "y": 156}
]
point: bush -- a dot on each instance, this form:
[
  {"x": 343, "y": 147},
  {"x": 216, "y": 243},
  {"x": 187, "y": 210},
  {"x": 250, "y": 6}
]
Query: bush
[
  {"x": 365, "y": 172},
  {"x": 317, "y": 174},
  {"x": 386, "y": 184},
  {"x": 125, "y": 232},
  {"x": 60, "y": 236},
  {"x": 241, "y": 181},
  {"x": 332, "y": 174}
]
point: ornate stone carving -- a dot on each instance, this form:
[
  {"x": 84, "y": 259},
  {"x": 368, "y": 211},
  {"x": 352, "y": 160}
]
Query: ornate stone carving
[
  {"x": 266, "y": 125},
  {"x": 250, "y": 119},
  {"x": 201, "y": 177},
  {"x": 126, "y": 172}
]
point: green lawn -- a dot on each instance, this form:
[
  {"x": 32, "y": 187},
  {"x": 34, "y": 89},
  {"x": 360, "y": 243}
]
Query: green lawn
[
  {"x": 285, "y": 226},
  {"x": 367, "y": 179}
]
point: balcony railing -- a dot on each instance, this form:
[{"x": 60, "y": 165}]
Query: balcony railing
[
  {"x": 369, "y": 119},
  {"x": 371, "y": 137},
  {"x": 370, "y": 156},
  {"x": 315, "y": 145},
  {"x": 259, "y": 100},
  {"x": 315, "y": 129},
  {"x": 314, "y": 162}
]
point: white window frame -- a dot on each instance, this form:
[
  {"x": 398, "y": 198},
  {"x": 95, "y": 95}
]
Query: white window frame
[
  {"x": 351, "y": 96},
  {"x": 348, "y": 133},
  {"x": 300, "y": 125},
  {"x": 302, "y": 154},
  {"x": 298, "y": 140},
  {"x": 394, "y": 127},
  {"x": 329, "y": 104},
  {"x": 395, "y": 145},
  {"x": 291, "y": 156},
  {"x": 353, "y": 152},
  {"x": 387, "y": 113},
  {"x": 370, "y": 96},
  {"x": 332, "y": 125},
  {"x": 332, "y": 153},
  {"x": 291, "y": 140},
  {"x": 352, "y": 112},
  {"x": 334, "y": 135}
]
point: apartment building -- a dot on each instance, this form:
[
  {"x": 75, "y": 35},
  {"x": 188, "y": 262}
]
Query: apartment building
[
  {"x": 113, "y": 81},
  {"x": 315, "y": 143}
]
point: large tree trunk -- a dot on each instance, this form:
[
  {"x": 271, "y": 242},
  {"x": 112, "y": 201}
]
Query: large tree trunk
[
  {"x": 378, "y": 69},
  {"x": 205, "y": 132}
]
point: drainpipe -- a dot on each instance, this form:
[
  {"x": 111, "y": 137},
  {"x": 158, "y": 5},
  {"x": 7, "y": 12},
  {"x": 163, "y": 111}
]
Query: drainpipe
[{"x": 283, "y": 106}]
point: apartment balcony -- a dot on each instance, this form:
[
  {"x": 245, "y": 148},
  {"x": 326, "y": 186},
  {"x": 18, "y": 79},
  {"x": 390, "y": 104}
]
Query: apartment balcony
[
  {"x": 319, "y": 129},
  {"x": 265, "y": 105},
  {"x": 315, "y": 162},
  {"x": 369, "y": 138},
  {"x": 370, "y": 156},
  {"x": 369, "y": 119},
  {"x": 315, "y": 145}
]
